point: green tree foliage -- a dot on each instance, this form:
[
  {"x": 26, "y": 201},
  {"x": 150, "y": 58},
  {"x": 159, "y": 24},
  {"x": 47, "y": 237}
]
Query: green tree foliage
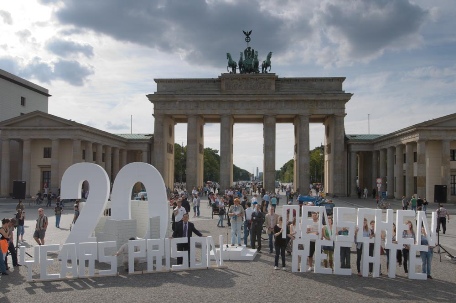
[
  {"x": 286, "y": 172},
  {"x": 211, "y": 165}
]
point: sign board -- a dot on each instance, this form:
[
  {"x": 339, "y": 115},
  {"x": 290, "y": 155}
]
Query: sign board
[{"x": 379, "y": 180}]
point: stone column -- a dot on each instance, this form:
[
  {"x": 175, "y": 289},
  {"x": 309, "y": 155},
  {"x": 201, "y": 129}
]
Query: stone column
[
  {"x": 445, "y": 168},
  {"x": 375, "y": 173},
  {"x": 5, "y": 175},
  {"x": 226, "y": 152},
  {"x": 390, "y": 172},
  {"x": 26, "y": 164},
  {"x": 353, "y": 173},
  {"x": 77, "y": 152},
  {"x": 399, "y": 171},
  {"x": 115, "y": 162},
  {"x": 421, "y": 169},
  {"x": 123, "y": 157},
  {"x": 160, "y": 145},
  {"x": 301, "y": 167},
  {"x": 269, "y": 146},
  {"x": 409, "y": 170},
  {"x": 338, "y": 158},
  {"x": 55, "y": 173},
  {"x": 382, "y": 164},
  {"x": 89, "y": 152},
  {"x": 99, "y": 155},
  {"x": 108, "y": 162},
  {"x": 145, "y": 156},
  {"x": 195, "y": 152}
]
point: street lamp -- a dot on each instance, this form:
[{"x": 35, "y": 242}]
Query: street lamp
[
  {"x": 322, "y": 150},
  {"x": 182, "y": 163}
]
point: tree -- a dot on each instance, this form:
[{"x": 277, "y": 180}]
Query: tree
[{"x": 286, "y": 172}]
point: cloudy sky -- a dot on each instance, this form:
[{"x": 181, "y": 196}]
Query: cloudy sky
[{"x": 99, "y": 58}]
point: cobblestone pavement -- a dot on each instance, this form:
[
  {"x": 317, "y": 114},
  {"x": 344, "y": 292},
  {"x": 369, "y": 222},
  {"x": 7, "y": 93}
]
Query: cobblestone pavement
[{"x": 241, "y": 281}]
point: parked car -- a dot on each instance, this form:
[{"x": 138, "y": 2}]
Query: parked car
[{"x": 141, "y": 195}]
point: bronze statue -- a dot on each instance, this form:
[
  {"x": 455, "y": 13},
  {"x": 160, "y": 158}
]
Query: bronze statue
[
  {"x": 266, "y": 63},
  {"x": 231, "y": 64}
]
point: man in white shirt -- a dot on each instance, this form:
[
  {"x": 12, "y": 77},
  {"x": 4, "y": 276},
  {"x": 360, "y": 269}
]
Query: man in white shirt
[
  {"x": 248, "y": 220},
  {"x": 178, "y": 213}
]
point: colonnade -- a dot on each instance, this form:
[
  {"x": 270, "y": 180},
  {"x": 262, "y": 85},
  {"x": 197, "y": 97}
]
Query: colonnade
[
  {"x": 405, "y": 168},
  {"x": 28, "y": 159}
]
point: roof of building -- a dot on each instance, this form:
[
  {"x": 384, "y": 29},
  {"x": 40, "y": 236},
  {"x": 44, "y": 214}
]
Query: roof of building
[
  {"x": 135, "y": 136},
  {"x": 24, "y": 83},
  {"x": 362, "y": 137}
]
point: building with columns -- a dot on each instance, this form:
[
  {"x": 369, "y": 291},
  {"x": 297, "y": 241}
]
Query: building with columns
[
  {"x": 410, "y": 161},
  {"x": 38, "y": 147}
]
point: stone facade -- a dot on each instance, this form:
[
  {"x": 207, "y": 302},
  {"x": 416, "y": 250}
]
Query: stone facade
[{"x": 252, "y": 98}]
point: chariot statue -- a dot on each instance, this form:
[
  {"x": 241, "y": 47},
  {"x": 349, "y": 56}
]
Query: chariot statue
[{"x": 248, "y": 61}]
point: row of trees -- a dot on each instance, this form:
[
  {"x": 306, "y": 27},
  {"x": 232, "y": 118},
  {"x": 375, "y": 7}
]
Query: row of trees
[{"x": 212, "y": 166}]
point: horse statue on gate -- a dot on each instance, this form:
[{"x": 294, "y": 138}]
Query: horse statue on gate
[
  {"x": 266, "y": 63},
  {"x": 241, "y": 64},
  {"x": 231, "y": 64},
  {"x": 256, "y": 63}
]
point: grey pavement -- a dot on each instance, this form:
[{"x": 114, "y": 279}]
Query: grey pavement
[{"x": 241, "y": 281}]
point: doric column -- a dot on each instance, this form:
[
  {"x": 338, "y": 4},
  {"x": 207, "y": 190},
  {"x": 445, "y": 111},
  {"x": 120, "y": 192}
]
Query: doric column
[
  {"x": 5, "y": 175},
  {"x": 338, "y": 159},
  {"x": 269, "y": 137},
  {"x": 375, "y": 172},
  {"x": 301, "y": 167},
  {"x": 123, "y": 157},
  {"x": 160, "y": 149},
  {"x": 115, "y": 162},
  {"x": 55, "y": 173},
  {"x": 226, "y": 152},
  {"x": 26, "y": 164},
  {"x": 421, "y": 169},
  {"x": 353, "y": 173},
  {"x": 390, "y": 172},
  {"x": 409, "y": 169},
  {"x": 108, "y": 162},
  {"x": 145, "y": 156},
  {"x": 382, "y": 166},
  {"x": 89, "y": 152},
  {"x": 399, "y": 171},
  {"x": 77, "y": 152},
  {"x": 195, "y": 152},
  {"x": 446, "y": 167},
  {"x": 99, "y": 155}
]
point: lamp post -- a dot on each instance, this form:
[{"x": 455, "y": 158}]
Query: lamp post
[
  {"x": 322, "y": 150},
  {"x": 182, "y": 163}
]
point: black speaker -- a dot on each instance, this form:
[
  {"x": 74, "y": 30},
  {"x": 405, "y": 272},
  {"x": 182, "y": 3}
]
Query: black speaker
[
  {"x": 19, "y": 189},
  {"x": 440, "y": 193}
]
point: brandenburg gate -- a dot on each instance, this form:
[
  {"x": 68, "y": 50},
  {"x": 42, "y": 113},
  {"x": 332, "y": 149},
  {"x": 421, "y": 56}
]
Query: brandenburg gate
[{"x": 251, "y": 98}]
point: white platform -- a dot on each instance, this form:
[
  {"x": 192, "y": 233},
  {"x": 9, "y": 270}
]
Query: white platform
[{"x": 238, "y": 253}]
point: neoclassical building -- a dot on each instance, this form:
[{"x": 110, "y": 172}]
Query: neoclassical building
[{"x": 409, "y": 161}]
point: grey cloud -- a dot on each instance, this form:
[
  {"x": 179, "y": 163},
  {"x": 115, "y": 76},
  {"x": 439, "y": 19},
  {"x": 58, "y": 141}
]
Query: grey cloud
[
  {"x": 64, "y": 48},
  {"x": 71, "y": 72},
  {"x": 372, "y": 25},
  {"x": 113, "y": 126},
  {"x": 24, "y": 35},
  {"x": 198, "y": 31},
  {"x": 6, "y": 16}
]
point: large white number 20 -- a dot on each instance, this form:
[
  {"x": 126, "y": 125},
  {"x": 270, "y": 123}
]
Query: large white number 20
[{"x": 98, "y": 180}]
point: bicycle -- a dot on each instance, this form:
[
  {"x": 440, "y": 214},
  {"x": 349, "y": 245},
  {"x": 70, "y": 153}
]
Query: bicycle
[{"x": 384, "y": 204}]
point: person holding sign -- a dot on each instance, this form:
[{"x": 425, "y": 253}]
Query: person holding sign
[
  {"x": 359, "y": 246},
  {"x": 312, "y": 229},
  {"x": 409, "y": 233}
]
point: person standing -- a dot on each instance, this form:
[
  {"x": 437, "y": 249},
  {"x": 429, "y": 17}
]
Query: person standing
[
  {"x": 3, "y": 245},
  {"x": 426, "y": 256},
  {"x": 413, "y": 203},
  {"x": 257, "y": 226},
  {"x": 58, "y": 213},
  {"x": 274, "y": 202},
  {"x": 20, "y": 217},
  {"x": 236, "y": 213},
  {"x": 409, "y": 233},
  {"x": 247, "y": 221},
  {"x": 359, "y": 246},
  {"x": 20, "y": 206},
  {"x": 178, "y": 213},
  {"x": 40, "y": 228},
  {"x": 271, "y": 221},
  {"x": 344, "y": 251},
  {"x": 312, "y": 229},
  {"x": 11, "y": 248},
  {"x": 326, "y": 233},
  {"x": 185, "y": 229},
  {"x": 404, "y": 203},
  {"x": 280, "y": 243},
  {"x": 442, "y": 215}
]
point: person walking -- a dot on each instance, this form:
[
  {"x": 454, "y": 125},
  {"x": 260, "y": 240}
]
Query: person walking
[
  {"x": 40, "y": 228},
  {"x": 442, "y": 215},
  {"x": 58, "y": 213}
]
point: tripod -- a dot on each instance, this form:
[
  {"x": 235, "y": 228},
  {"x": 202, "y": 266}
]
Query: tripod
[{"x": 439, "y": 247}]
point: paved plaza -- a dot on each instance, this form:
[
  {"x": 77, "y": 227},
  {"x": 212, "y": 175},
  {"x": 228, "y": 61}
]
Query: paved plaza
[{"x": 241, "y": 281}]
